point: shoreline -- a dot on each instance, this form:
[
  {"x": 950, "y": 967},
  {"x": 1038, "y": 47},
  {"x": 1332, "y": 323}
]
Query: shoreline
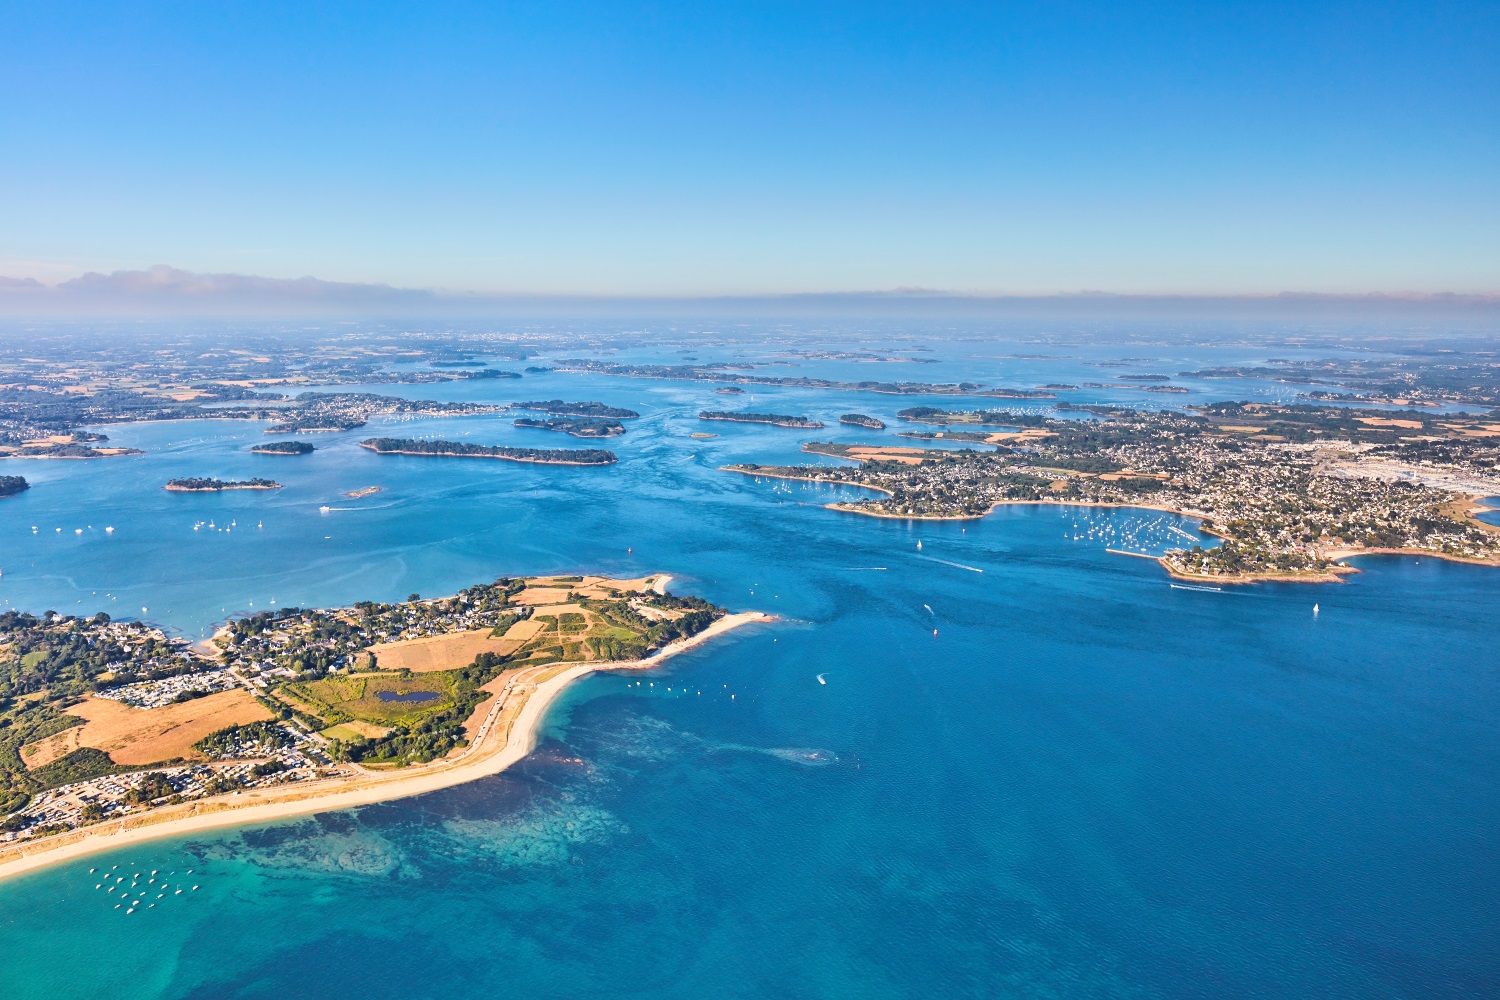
[
  {"x": 1334, "y": 574},
  {"x": 492, "y": 752},
  {"x": 812, "y": 425},
  {"x": 216, "y": 489},
  {"x": 503, "y": 458}
]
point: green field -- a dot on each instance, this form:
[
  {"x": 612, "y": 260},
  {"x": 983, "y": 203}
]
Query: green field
[{"x": 339, "y": 699}]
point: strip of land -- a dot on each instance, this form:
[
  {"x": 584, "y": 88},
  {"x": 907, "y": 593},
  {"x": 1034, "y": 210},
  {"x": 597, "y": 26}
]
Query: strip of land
[{"x": 506, "y": 735}]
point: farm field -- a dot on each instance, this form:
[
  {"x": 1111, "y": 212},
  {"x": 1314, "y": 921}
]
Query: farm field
[{"x": 139, "y": 736}]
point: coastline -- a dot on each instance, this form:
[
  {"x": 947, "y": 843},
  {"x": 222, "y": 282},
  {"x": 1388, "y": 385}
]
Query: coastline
[
  {"x": 455, "y": 454},
  {"x": 492, "y": 752},
  {"x": 215, "y": 489},
  {"x": 812, "y": 425},
  {"x": 1334, "y": 574}
]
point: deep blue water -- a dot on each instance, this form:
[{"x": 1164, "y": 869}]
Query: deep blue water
[{"x": 1084, "y": 783}]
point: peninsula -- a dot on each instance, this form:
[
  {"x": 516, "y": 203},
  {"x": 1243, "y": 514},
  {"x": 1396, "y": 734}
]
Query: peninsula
[
  {"x": 1291, "y": 491},
  {"x": 126, "y": 734},
  {"x": 283, "y": 448},
  {"x": 197, "y": 485},
  {"x": 774, "y": 419}
]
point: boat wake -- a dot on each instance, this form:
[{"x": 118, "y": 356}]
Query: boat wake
[{"x": 955, "y": 565}]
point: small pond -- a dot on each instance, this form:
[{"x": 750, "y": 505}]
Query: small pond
[{"x": 408, "y": 696}]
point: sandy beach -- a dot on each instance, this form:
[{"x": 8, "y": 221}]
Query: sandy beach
[{"x": 496, "y": 749}]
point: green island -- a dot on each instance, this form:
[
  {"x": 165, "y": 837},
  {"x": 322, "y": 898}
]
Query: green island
[
  {"x": 283, "y": 448},
  {"x": 11, "y": 485},
  {"x": 200, "y": 485},
  {"x": 577, "y": 428},
  {"x": 774, "y": 419},
  {"x": 104, "y": 719},
  {"x": 459, "y": 449},
  {"x": 861, "y": 420},
  {"x": 1291, "y": 491},
  {"x": 587, "y": 408}
]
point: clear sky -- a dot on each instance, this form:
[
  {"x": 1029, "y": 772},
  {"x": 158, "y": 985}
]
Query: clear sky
[{"x": 703, "y": 148}]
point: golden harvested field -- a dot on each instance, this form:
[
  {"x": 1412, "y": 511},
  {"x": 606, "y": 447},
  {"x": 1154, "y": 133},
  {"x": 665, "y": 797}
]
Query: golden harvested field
[
  {"x": 542, "y": 595},
  {"x": 442, "y": 652},
  {"x": 350, "y": 731},
  {"x": 1387, "y": 422},
  {"x": 906, "y": 456},
  {"x": 135, "y": 736},
  {"x": 44, "y": 751},
  {"x": 520, "y": 633},
  {"x": 600, "y": 586}
]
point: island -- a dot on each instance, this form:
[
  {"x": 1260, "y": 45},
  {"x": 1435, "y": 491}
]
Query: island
[
  {"x": 774, "y": 419},
  {"x": 283, "y": 448},
  {"x": 587, "y": 408},
  {"x": 1291, "y": 492},
  {"x": 11, "y": 485},
  {"x": 134, "y": 734},
  {"x": 364, "y": 491},
  {"x": 730, "y": 390},
  {"x": 459, "y": 449},
  {"x": 577, "y": 428},
  {"x": 199, "y": 485},
  {"x": 861, "y": 420}
]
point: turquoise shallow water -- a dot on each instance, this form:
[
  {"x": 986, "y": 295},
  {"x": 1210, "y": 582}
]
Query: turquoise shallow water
[{"x": 1087, "y": 783}]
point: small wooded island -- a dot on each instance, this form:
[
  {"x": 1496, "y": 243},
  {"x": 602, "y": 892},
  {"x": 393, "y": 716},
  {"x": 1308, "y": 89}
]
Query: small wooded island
[
  {"x": 861, "y": 420},
  {"x": 587, "y": 408},
  {"x": 199, "y": 485},
  {"x": 774, "y": 419},
  {"x": 577, "y": 428},
  {"x": 283, "y": 448},
  {"x": 11, "y": 485},
  {"x": 458, "y": 449}
]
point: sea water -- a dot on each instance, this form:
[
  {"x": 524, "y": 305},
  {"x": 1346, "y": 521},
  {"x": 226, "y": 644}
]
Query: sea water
[{"x": 1034, "y": 768}]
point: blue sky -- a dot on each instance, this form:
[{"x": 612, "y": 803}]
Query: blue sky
[{"x": 703, "y": 148}]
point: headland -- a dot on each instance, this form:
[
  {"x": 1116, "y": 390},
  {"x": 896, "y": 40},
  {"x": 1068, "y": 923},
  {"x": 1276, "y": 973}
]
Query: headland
[{"x": 500, "y": 717}]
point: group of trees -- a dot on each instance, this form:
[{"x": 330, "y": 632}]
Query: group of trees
[
  {"x": 233, "y": 740},
  {"x": 198, "y": 484}
]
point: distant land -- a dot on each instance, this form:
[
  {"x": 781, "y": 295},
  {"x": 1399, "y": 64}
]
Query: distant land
[
  {"x": 720, "y": 372},
  {"x": 198, "y": 485},
  {"x": 774, "y": 419},
  {"x": 458, "y": 449}
]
